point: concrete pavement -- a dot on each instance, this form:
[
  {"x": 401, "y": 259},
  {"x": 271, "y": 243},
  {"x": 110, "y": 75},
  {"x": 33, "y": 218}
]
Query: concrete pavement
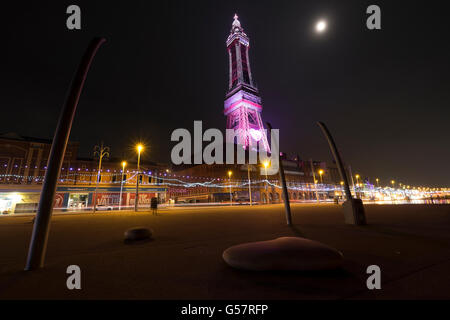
[{"x": 410, "y": 243}]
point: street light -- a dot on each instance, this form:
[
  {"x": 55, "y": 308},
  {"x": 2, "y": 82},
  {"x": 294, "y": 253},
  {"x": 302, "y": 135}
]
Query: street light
[
  {"x": 266, "y": 164},
  {"x": 320, "y": 174},
  {"x": 139, "y": 148},
  {"x": 358, "y": 185},
  {"x": 124, "y": 163},
  {"x": 377, "y": 180},
  {"x": 229, "y": 178}
]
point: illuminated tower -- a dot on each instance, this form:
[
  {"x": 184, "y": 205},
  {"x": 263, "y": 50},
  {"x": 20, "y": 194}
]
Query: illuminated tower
[{"x": 242, "y": 102}]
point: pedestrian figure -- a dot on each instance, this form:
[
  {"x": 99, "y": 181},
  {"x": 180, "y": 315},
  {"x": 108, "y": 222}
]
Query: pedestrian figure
[{"x": 154, "y": 206}]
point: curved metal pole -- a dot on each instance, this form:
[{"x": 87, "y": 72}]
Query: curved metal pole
[
  {"x": 353, "y": 208},
  {"x": 337, "y": 158},
  {"x": 249, "y": 184},
  {"x": 287, "y": 205},
  {"x": 38, "y": 244}
]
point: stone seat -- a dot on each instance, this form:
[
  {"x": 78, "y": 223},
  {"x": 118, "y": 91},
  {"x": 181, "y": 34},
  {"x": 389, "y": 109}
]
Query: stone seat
[
  {"x": 285, "y": 253},
  {"x": 138, "y": 234}
]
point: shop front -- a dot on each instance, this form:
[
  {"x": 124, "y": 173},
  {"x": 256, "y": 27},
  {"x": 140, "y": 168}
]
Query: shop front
[
  {"x": 78, "y": 201},
  {"x": 16, "y": 200}
]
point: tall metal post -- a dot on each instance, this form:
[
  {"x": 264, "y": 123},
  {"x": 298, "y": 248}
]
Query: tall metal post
[
  {"x": 231, "y": 195},
  {"x": 249, "y": 184},
  {"x": 353, "y": 208},
  {"x": 96, "y": 183},
  {"x": 136, "y": 197},
  {"x": 38, "y": 243},
  {"x": 102, "y": 152},
  {"x": 314, "y": 177},
  {"x": 287, "y": 206},
  {"x": 229, "y": 180},
  {"x": 121, "y": 184}
]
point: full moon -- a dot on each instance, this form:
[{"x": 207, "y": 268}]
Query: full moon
[{"x": 321, "y": 26}]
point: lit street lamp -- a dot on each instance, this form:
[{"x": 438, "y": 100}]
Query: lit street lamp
[
  {"x": 121, "y": 183},
  {"x": 357, "y": 184},
  {"x": 320, "y": 174},
  {"x": 377, "y": 180},
  {"x": 229, "y": 178},
  {"x": 266, "y": 164},
  {"x": 393, "y": 185},
  {"x": 139, "y": 148}
]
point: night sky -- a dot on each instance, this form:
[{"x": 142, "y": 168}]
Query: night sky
[{"x": 384, "y": 94}]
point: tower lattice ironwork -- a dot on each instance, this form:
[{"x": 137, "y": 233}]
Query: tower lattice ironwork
[{"x": 242, "y": 104}]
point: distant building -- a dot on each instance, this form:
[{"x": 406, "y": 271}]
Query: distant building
[
  {"x": 24, "y": 159},
  {"x": 23, "y": 163}
]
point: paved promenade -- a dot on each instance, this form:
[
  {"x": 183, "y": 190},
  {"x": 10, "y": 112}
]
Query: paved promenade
[{"x": 410, "y": 243}]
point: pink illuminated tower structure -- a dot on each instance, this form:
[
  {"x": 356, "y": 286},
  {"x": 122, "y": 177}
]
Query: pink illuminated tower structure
[{"x": 242, "y": 104}]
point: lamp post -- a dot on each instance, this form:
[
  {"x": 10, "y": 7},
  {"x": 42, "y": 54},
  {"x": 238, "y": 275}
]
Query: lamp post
[
  {"x": 102, "y": 152},
  {"x": 139, "y": 148},
  {"x": 357, "y": 184},
  {"x": 377, "y": 180},
  {"x": 320, "y": 174},
  {"x": 315, "y": 181},
  {"x": 392, "y": 193},
  {"x": 229, "y": 179},
  {"x": 124, "y": 163},
  {"x": 266, "y": 165}
]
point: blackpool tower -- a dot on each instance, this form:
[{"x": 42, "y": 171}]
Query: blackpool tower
[{"x": 242, "y": 104}]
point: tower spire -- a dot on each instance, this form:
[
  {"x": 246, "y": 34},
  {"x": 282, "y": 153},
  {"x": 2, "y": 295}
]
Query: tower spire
[
  {"x": 242, "y": 103},
  {"x": 236, "y": 25}
]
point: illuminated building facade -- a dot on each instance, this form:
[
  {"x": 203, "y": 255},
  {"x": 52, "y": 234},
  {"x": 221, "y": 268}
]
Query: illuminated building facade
[
  {"x": 242, "y": 102},
  {"x": 23, "y": 163}
]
